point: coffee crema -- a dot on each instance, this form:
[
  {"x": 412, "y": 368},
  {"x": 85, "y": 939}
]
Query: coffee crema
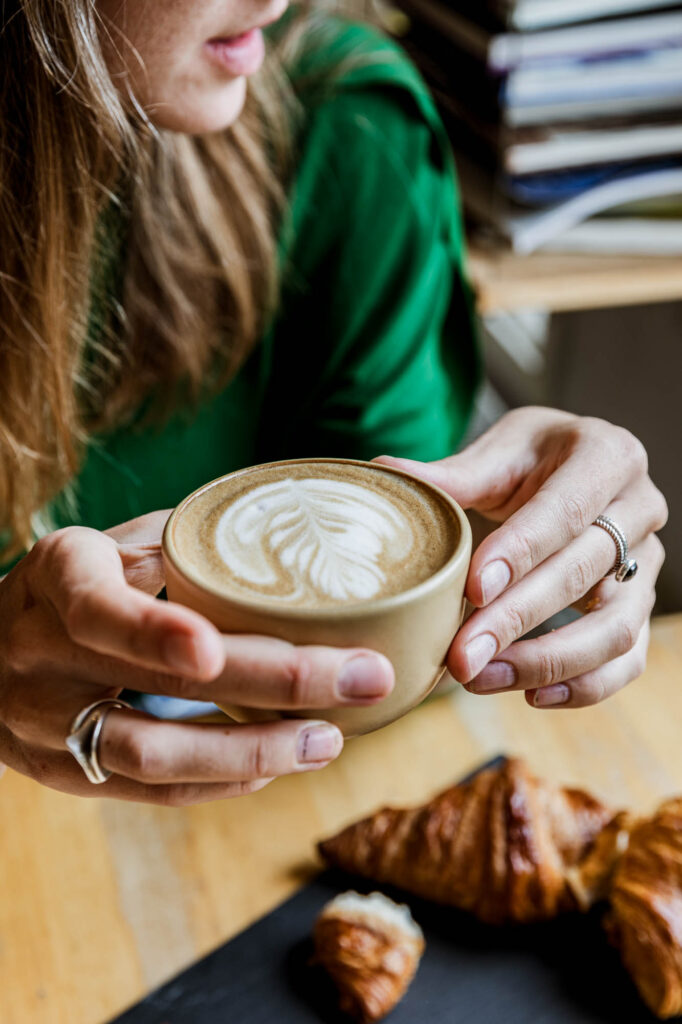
[{"x": 315, "y": 534}]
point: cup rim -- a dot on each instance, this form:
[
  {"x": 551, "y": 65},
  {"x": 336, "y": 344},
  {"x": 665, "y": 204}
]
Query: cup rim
[{"x": 357, "y": 609}]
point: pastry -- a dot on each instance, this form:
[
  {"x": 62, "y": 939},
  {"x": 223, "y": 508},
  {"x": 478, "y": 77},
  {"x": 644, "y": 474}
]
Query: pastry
[
  {"x": 505, "y": 846},
  {"x": 590, "y": 879},
  {"x": 646, "y": 909},
  {"x": 371, "y": 947}
]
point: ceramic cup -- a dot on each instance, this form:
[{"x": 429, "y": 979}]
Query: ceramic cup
[{"x": 413, "y": 628}]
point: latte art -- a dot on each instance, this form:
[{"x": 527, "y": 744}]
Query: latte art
[
  {"x": 313, "y": 539},
  {"x": 314, "y": 535}
]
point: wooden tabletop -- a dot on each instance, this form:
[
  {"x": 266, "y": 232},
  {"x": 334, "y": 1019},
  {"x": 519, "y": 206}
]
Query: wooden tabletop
[
  {"x": 100, "y": 901},
  {"x": 504, "y": 281}
]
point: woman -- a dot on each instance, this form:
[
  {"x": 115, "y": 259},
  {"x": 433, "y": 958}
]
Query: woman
[{"x": 196, "y": 275}]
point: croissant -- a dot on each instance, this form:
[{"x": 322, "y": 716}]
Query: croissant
[
  {"x": 371, "y": 947},
  {"x": 646, "y": 909},
  {"x": 505, "y": 846}
]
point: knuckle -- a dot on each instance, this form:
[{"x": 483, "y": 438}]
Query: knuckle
[
  {"x": 576, "y": 510},
  {"x": 142, "y": 757},
  {"x": 550, "y": 667},
  {"x": 258, "y": 760},
  {"x": 176, "y": 796},
  {"x": 660, "y": 512},
  {"x": 184, "y": 795},
  {"x": 298, "y": 675},
  {"x": 77, "y": 614},
  {"x": 580, "y": 576},
  {"x": 631, "y": 450},
  {"x": 625, "y": 636},
  {"x": 244, "y": 788},
  {"x": 16, "y": 715},
  {"x": 592, "y": 692},
  {"x": 523, "y": 551},
  {"x": 57, "y": 547},
  {"x": 516, "y": 623},
  {"x": 18, "y": 653}
]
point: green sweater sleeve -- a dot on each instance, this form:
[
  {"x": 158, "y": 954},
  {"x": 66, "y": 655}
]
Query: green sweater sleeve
[{"x": 376, "y": 339}]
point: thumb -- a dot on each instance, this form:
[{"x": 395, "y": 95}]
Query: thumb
[
  {"x": 477, "y": 478},
  {"x": 139, "y": 543}
]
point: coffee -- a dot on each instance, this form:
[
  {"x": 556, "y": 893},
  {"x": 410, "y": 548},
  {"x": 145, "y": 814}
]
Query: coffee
[
  {"x": 330, "y": 552},
  {"x": 315, "y": 535}
]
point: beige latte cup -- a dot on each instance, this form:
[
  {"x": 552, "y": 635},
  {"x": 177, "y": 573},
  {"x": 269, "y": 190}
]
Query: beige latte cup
[{"x": 327, "y": 551}]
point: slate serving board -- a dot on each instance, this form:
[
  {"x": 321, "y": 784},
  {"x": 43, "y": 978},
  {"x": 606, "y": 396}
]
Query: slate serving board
[{"x": 563, "y": 972}]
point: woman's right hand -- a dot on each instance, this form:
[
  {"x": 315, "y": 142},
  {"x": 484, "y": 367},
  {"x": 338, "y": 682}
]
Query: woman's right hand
[{"x": 79, "y": 623}]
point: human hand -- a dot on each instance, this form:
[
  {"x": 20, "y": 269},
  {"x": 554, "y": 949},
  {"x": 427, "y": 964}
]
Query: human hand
[
  {"x": 78, "y": 623},
  {"x": 545, "y": 476}
]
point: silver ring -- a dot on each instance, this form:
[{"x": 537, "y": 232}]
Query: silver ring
[
  {"x": 83, "y": 738},
  {"x": 624, "y": 568}
]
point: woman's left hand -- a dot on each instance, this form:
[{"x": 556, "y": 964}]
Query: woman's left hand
[{"x": 545, "y": 476}]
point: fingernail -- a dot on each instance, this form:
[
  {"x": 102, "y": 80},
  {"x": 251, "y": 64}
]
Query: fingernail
[
  {"x": 363, "y": 678},
  {"x": 552, "y": 696},
  {"x": 478, "y": 653},
  {"x": 321, "y": 743},
  {"x": 498, "y": 675},
  {"x": 495, "y": 579},
  {"x": 181, "y": 653}
]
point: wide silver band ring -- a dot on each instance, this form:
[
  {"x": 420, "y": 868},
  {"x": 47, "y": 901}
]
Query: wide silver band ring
[
  {"x": 624, "y": 568},
  {"x": 83, "y": 739}
]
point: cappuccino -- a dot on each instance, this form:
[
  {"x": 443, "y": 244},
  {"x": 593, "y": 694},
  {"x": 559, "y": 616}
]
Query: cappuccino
[{"x": 315, "y": 534}]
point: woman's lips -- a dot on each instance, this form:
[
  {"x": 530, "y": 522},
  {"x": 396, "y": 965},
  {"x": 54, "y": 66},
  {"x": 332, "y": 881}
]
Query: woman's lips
[{"x": 239, "y": 55}]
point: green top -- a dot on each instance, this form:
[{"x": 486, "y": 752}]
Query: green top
[{"x": 372, "y": 350}]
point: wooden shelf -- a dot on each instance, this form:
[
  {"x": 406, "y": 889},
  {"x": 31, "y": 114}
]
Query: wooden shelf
[{"x": 504, "y": 281}]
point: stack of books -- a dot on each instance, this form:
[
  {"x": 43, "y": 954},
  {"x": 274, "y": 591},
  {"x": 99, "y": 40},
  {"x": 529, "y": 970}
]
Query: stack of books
[{"x": 565, "y": 115}]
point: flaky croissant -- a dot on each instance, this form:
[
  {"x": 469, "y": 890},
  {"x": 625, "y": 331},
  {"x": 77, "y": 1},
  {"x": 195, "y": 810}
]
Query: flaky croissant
[
  {"x": 371, "y": 947},
  {"x": 505, "y": 846},
  {"x": 646, "y": 914}
]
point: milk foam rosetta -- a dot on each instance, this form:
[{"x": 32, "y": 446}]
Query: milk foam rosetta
[
  {"x": 331, "y": 538},
  {"x": 314, "y": 536}
]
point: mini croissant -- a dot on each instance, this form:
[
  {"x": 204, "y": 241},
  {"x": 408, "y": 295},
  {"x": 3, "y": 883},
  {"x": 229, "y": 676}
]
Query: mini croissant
[
  {"x": 371, "y": 947},
  {"x": 646, "y": 915},
  {"x": 505, "y": 846}
]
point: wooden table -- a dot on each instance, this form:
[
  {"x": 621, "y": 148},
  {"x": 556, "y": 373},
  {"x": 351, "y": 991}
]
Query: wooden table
[
  {"x": 504, "y": 281},
  {"x": 101, "y": 901}
]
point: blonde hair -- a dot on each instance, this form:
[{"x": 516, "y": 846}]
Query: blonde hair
[{"x": 200, "y": 270}]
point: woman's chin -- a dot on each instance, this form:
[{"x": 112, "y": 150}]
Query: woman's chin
[{"x": 212, "y": 111}]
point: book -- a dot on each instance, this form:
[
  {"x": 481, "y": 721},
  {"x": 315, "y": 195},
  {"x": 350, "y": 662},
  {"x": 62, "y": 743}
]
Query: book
[
  {"x": 528, "y": 230},
  {"x": 531, "y": 15},
  {"x": 656, "y": 74},
  {"x": 503, "y": 51},
  {"x": 634, "y": 236},
  {"x": 642, "y": 86},
  {"x": 529, "y": 151},
  {"x": 589, "y": 109}
]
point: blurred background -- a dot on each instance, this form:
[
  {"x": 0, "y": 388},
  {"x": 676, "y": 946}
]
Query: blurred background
[{"x": 566, "y": 121}]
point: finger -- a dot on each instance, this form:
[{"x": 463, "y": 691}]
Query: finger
[
  {"x": 541, "y": 495},
  {"x": 147, "y": 529},
  {"x": 154, "y": 752},
  {"x": 561, "y": 510},
  {"x": 593, "y": 687},
  {"x": 597, "y": 638},
  {"x": 483, "y": 475},
  {"x": 61, "y": 772},
  {"x": 139, "y": 547},
  {"x": 561, "y": 581},
  {"x": 80, "y": 572},
  {"x": 260, "y": 672}
]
